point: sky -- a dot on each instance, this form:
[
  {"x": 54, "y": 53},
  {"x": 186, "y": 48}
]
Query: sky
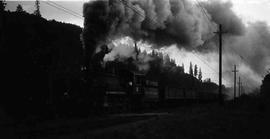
[{"x": 248, "y": 10}]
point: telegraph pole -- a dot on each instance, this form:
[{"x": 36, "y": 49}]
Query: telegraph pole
[
  {"x": 234, "y": 89},
  {"x": 239, "y": 86},
  {"x": 220, "y": 64}
]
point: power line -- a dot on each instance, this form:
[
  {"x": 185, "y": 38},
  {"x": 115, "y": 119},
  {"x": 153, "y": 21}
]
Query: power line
[
  {"x": 204, "y": 61},
  {"x": 205, "y": 13},
  {"x": 243, "y": 58},
  {"x": 65, "y": 8},
  {"x": 154, "y": 22},
  {"x": 62, "y": 9}
]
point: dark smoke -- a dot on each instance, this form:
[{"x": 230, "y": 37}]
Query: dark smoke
[
  {"x": 160, "y": 22},
  {"x": 163, "y": 23},
  {"x": 222, "y": 13},
  {"x": 254, "y": 47},
  {"x": 96, "y": 26}
]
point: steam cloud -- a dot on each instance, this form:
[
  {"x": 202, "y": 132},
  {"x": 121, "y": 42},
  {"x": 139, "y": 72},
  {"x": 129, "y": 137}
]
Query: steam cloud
[
  {"x": 123, "y": 49},
  {"x": 163, "y": 23}
]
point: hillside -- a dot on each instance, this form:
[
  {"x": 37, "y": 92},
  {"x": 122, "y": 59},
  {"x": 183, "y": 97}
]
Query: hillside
[{"x": 34, "y": 53}]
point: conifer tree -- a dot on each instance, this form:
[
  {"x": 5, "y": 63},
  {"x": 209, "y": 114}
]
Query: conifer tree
[
  {"x": 19, "y": 8},
  {"x": 195, "y": 70},
  {"x": 37, "y": 11},
  {"x": 200, "y": 75},
  {"x": 2, "y": 5},
  {"x": 190, "y": 69}
]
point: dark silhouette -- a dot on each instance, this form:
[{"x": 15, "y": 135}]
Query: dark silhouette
[
  {"x": 19, "y": 8},
  {"x": 200, "y": 75},
  {"x": 265, "y": 87},
  {"x": 39, "y": 60},
  {"x": 44, "y": 71},
  {"x": 2, "y": 5},
  {"x": 37, "y": 11},
  {"x": 195, "y": 71},
  {"x": 191, "y": 69}
]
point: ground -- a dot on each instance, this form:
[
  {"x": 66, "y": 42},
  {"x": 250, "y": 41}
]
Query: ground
[
  {"x": 194, "y": 122},
  {"x": 234, "y": 120}
]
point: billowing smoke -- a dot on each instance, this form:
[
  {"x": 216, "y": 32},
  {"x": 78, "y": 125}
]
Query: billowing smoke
[
  {"x": 254, "y": 46},
  {"x": 123, "y": 49},
  {"x": 181, "y": 23},
  {"x": 222, "y": 13},
  {"x": 161, "y": 22}
]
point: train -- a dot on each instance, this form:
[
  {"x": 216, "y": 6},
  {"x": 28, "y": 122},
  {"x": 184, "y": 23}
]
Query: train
[
  {"x": 133, "y": 90},
  {"x": 112, "y": 88}
]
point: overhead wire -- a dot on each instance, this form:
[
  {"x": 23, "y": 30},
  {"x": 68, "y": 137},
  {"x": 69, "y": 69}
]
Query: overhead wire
[
  {"x": 62, "y": 9},
  {"x": 209, "y": 19},
  {"x": 154, "y": 22},
  {"x": 149, "y": 20},
  {"x": 65, "y": 8}
]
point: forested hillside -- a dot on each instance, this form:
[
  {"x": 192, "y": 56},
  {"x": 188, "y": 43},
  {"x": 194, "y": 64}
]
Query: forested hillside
[{"x": 34, "y": 53}]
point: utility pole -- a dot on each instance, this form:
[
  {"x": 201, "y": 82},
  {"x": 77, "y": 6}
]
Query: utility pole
[
  {"x": 239, "y": 86},
  {"x": 220, "y": 64},
  {"x": 242, "y": 89},
  {"x": 234, "y": 89}
]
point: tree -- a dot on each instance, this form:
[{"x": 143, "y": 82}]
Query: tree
[
  {"x": 19, "y": 8},
  {"x": 167, "y": 59},
  {"x": 183, "y": 67},
  {"x": 2, "y": 5},
  {"x": 195, "y": 70},
  {"x": 191, "y": 69},
  {"x": 265, "y": 87},
  {"x": 37, "y": 11},
  {"x": 200, "y": 75}
]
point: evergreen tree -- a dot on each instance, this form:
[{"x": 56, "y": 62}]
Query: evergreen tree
[
  {"x": 153, "y": 54},
  {"x": 200, "y": 75},
  {"x": 37, "y": 11},
  {"x": 167, "y": 59},
  {"x": 2, "y": 5},
  {"x": 190, "y": 69},
  {"x": 19, "y": 8},
  {"x": 195, "y": 70},
  {"x": 183, "y": 67}
]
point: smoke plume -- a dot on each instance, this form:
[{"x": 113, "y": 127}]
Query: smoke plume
[
  {"x": 181, "y": 23},
  {"x": 222, "y": 13},
  {"x": 123, "y": 49}
]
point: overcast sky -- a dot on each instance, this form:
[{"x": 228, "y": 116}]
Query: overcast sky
[{"x": 248, "y": 10}]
